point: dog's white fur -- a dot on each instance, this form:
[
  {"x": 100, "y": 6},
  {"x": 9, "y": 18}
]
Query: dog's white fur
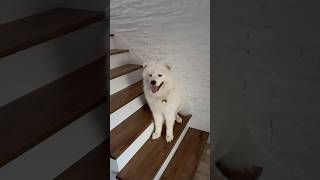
[{"x": 168, "y": 101}]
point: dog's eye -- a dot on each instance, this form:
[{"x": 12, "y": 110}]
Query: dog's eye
[
  {"x": 160, "y": 75},
  {"x": 150, "y": 75}
]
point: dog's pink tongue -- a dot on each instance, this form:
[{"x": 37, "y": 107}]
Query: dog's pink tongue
[{"x": 154, "y": 89}]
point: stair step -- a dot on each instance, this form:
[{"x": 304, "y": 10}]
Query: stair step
[
  {"x": 185, "y": 161},
  {"x": 31, "y": 119},
  {"x": 124, "y": 96},
  {"x": 129, "y": 130},
  {"x": 26, "y": 32},
  {"x": 146, "y": 163},
  {"x": 125, "y": 69},
  {"x": 92, "y": 166},
  {"x": 118, "y": 51}
]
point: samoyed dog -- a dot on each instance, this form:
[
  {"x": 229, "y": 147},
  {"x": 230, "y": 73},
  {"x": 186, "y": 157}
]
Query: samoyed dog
[{"x": 165, "y": 97}]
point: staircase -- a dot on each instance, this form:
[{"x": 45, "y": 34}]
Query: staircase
[
  {"x": 133, "y": 154},
  {"x": 53, "y": 96}
]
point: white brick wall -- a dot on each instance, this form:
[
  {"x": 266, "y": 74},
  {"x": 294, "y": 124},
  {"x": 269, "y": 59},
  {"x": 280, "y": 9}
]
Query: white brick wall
[
  {"x": 177, "y": 31},
  {"x": 273, "y": 47}
]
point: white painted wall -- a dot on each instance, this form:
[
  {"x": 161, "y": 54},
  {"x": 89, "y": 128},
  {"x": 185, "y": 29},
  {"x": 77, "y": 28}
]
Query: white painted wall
[{"x": 177, "y": 31}]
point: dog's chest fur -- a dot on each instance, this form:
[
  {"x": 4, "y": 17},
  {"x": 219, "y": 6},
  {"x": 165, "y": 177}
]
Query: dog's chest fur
[{"x": 158, "y": 104}]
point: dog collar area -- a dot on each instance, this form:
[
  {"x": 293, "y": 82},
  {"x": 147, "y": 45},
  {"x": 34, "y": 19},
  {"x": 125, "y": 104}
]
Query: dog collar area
[{"x": 164, "y": 101}]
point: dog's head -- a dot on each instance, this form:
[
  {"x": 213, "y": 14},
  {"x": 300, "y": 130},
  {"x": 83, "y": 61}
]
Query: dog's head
[{"x": 157, "y": 76}]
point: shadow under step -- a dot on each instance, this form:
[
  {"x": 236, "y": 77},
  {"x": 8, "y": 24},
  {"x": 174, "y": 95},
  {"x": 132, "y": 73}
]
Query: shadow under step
[
  {"x": 185, "y": 161},
  {"x": 30, "y": 31},
  {"x": 122, "y": 70},
  {"x": 31, "y": 119},
  {"x": 124, "y": 96},
  {"x": 146, "y": 163},
  {"x": 93, "y": 165},
  {"x": 118, "y": 51},
  {"x": 129, "y": 130}
]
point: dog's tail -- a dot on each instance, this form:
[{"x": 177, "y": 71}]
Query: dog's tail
[{"x": 186, "y": 110}]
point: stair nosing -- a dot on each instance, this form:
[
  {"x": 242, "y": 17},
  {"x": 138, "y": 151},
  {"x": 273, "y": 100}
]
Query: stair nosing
[
  {"x": 134, "y": 67},
  {"x": 120, "y": 93},
  {"x": 38, "y": 99},
  {"x": 186, "y": 119},
  {"x": 118, "y": 51},
  {"x": 115, "y": 155},
  {"x": 183, "y": 147},
  {"x": 43, "y": 37}
]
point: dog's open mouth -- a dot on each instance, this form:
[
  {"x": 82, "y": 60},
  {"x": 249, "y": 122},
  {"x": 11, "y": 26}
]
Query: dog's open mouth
[{"x": 155, "y": 88}]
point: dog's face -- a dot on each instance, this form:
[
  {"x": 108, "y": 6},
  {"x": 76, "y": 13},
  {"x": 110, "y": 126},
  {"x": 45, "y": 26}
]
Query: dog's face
[{"x": 156, "y": 76}]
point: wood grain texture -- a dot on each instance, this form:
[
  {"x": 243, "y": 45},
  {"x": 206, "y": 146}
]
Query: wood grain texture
[
  {"x": 145, "y": 164},
  {"x": 24, "y": 33},
  {"x": 125, "y": 69},
  {"x": 129, "y": 130},
  {"x": 126, "y": 95},
  {"x": 31, "y": 119},
  {"x": 118, "y": 51},
  {"x": 94, "y": 165},
  {"x": 185, "y": 161}
]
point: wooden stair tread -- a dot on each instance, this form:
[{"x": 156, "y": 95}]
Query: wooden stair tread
[
  {"x": 93, "y": 165},
  {"x": 125, "y": 69},
  {"x": 129, "y": 130},
  {"x": 118, "y": 51},
  {"x": 34, "y": 117},
  {"x": 145, "y": 164},
  {"x": 26, "y": 32},
  {"x": 185, "y": 161},
  {"x": 124, "y": 96}
]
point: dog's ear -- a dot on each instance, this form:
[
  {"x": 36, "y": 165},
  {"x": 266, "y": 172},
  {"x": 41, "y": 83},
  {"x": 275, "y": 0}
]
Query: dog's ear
[
  {"x": 168, "y": 66},
  {"x": 144, "y": 65}
]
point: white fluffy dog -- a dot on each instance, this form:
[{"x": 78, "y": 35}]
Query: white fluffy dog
[{"x": 165, "y": 97}]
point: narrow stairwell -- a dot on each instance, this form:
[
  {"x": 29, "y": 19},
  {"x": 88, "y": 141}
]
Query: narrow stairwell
[{"x": 133, "y": 154}]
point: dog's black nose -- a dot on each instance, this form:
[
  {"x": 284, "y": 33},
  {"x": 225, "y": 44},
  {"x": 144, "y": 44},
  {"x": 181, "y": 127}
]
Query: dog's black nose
[{"x": 153, "y": 82}]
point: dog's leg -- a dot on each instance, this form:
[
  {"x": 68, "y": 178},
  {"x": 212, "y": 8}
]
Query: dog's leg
[
  {"x": 158, "y": 121},
  {"x": 170, "y": 118},
  {"x": 178, "y": 118}
]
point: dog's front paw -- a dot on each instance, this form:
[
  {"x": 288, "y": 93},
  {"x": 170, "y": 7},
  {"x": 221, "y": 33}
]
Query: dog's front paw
[
  {"x": 169, "y": 138},
  {"x": 156, "y": 135}
]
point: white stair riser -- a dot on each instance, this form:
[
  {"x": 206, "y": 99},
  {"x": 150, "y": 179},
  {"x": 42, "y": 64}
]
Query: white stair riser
[
  {"x": 117, "y": 60},
  {"x": 174, "y": 149},
  {"x": 124, "y": 158},
  {"x": 48, "y": 61},
  {"x": 125, "y": 111},
  {"x": 54, "y": 155},
  {"x": 124, "y": 81},
  {"x": 111, "y": 43}
]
